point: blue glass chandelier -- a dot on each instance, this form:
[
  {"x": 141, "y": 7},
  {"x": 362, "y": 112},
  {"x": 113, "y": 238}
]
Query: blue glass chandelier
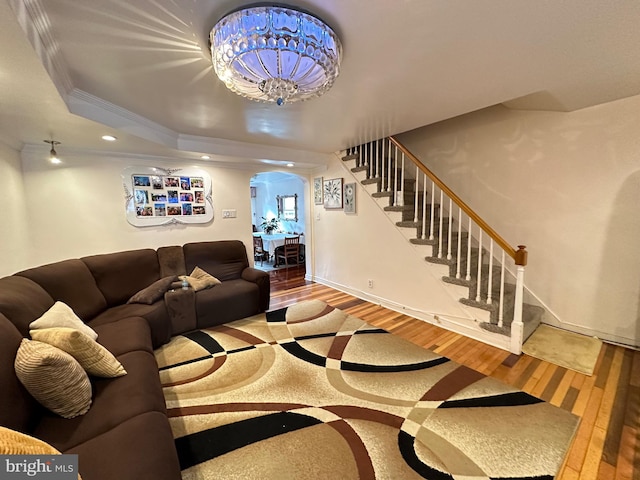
[{"x": 275, "y": 54}]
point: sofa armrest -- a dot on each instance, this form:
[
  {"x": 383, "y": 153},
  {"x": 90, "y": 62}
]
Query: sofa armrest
[
  {"x": 181, "y": 307},
  {"x": 261, "y": 278}
]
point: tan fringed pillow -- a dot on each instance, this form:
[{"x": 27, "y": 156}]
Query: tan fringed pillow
[
  {"x": 16, "y": 443},
  {"x": 61, "y": 315},
  {"x": 199, "y": 279},
  {"x": 92, "y": 356},
  {"x": 54, "y": 378}
]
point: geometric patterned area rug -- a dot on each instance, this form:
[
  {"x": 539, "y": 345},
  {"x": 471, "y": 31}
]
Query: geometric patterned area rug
[
  {"x": 310, "y": 392},
  {"x": 566, "y": 349}
]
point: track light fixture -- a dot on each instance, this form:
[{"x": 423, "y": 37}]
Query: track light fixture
[{"x": 53, "y": 155}]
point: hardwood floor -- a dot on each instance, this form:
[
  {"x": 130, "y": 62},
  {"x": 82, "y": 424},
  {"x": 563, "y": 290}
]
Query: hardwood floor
[{"x": 607, "y": 444}]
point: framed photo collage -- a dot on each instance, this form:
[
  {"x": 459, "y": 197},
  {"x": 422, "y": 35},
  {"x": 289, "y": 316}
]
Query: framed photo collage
[
  {"x": 162, "y": 196},
  {"x": 157, "y": 196}
]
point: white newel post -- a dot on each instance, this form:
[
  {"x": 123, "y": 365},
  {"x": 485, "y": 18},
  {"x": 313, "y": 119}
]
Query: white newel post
[{"x": 517, "y": 326}]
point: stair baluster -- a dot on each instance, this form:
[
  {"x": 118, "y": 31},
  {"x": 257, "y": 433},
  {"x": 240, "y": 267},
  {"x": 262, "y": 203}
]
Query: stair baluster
[{"x": 393, "y": 181}]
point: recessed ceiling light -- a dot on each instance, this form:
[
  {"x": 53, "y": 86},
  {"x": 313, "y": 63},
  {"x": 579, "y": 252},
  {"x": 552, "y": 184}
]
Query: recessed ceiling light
[
  {"x": 55, "y": 160},
  {"x": 205, "y": 157},
  {"x": 109, "y": 138},
  {"x": 289, "y": 165}
]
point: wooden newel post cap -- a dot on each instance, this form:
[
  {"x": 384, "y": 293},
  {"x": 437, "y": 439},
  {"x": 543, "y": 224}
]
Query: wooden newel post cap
[{"x": 521, "y": 255}]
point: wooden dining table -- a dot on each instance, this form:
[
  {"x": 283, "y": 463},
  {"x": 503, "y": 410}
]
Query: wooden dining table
[{"x": 274, "y": 240}]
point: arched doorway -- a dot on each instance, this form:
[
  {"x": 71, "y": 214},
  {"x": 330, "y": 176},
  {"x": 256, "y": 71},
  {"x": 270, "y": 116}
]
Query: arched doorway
[{"x": 278, "y": 198}]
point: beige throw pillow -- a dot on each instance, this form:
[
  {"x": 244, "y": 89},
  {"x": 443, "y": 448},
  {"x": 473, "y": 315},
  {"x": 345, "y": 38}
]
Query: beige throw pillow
[
  {"x": 54, "y": 378},
  {"x": 61, "y": 315},
  {"x": 92, "y": 356},
  {"x": 199, "y": 279}
]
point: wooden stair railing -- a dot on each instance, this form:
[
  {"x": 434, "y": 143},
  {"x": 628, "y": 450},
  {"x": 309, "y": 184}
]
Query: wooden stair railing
[{"x": 385, "y": 163}]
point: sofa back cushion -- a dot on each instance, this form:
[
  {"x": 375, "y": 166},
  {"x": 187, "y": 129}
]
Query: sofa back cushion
[
  {"x": 22, "y": 301},
  {"x": 224, "y": 259},
  {"x": 171, "y": 261},
  {"x": 19, "y": 409},
  {"x": 70, "y": 282},
  {"x": 120, "y": 275}
]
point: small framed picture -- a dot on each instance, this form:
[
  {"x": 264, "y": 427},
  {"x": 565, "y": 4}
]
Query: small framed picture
[
  {"x": 350, "y": 198},
  {"x": 332, "y": 193},
  {"x": 317, "y": 191}
]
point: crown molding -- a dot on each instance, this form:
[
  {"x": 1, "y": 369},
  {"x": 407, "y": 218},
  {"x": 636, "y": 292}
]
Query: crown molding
[
  {"x": 36, "y": 153},
  {"x": 34, "y": 21},
  {"x": 222, "y": 146},
  {"x": 94, "y": 108}
]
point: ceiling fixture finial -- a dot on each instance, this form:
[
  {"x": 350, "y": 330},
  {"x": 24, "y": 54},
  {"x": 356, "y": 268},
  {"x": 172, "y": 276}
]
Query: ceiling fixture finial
[{"x": 275, "y": 54}]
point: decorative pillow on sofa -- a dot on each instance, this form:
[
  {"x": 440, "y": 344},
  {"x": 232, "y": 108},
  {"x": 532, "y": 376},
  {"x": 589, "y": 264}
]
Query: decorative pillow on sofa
[
  {"x": 153, "y": 292},
  {"x": 54, "y": 378},
  {"x": 199, "y": 279},
  {"x": 61, "y": 315},
  {"x": 16, "y": 443},
  {"x": 93, "y": 357}
]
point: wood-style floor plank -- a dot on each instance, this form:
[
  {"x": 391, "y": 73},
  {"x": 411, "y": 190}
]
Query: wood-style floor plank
[{"x": 607, "y": 443}]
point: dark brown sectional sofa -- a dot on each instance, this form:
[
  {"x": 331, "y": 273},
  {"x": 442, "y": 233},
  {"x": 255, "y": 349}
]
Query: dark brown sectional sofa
[{"x": 125, "y": 434}]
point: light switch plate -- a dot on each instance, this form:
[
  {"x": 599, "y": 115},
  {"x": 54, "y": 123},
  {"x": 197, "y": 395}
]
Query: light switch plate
[{"x": 229, "y": 213}]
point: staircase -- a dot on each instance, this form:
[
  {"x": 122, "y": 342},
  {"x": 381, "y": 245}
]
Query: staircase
[{"x": 487, "y": 271}]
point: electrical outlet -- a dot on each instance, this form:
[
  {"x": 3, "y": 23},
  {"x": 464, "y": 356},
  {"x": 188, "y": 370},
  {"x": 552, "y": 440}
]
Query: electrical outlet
[{"x": 370, "y": 283}]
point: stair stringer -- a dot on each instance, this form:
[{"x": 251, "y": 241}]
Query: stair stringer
[{"x": 458, "y": 317}]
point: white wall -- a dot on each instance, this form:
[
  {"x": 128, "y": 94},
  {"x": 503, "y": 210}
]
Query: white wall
[
  {"x": 78, "y": 208},
  {"x": 351, "y": 249},
  {"x": 14, "y": 237},
  {"x": 567, "y": 185}
]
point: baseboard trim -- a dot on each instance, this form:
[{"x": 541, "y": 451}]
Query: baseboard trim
[{"x": 462, "y": 325}]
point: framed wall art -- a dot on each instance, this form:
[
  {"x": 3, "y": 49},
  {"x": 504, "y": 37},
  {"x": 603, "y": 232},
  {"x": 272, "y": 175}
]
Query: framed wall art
[
  {"x": 350, "y": 198},
  {"x": 317, "y": 190},
  {"x": 162, "y": 196},
  {"x": 332, "y": 192}
]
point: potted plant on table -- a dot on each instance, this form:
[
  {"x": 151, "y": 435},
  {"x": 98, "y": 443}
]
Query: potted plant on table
[{"x": 269, "y": 226}]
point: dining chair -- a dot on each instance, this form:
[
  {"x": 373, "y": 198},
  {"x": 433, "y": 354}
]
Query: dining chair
[
  {"x": 258, "y": 250},
  {"x": 290, "y": 252}
]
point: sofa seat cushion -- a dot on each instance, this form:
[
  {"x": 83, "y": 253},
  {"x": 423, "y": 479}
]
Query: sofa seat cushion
[
  {"x": 126, "y": 335},
  {"x": 115, "y": 401},
  {"x": 71, "y": 282},
  {"x": 139, "y": 448},
  {"x": 231, "y": 300},
  {"x": 156, "y": 315}
]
